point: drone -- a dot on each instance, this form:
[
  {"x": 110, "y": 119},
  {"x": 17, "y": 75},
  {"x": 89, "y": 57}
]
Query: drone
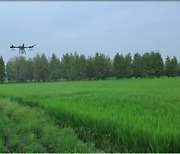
[{"x": 22, "y": 48}]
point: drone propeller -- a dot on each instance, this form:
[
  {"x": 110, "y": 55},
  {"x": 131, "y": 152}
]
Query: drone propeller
[
  {"x": 12, "y": 47},
  {"x": 32, "y": 46}
]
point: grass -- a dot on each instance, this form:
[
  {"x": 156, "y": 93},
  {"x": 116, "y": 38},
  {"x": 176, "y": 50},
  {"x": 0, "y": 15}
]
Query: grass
[
  {"x": 140, "y": 115},
  {"x": 24, "y": 129}
]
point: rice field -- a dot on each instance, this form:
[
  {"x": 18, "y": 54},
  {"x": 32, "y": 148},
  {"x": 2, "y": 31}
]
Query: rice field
[{"x": 129, "y": 115}]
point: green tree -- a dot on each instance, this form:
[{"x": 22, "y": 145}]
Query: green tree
[
  {"x": 44, "y": 68},
  {"x": 158, "y": 64},
  {"x": 67, "y": 63},
  {"x": 171, "y": 66},
  {"x": 90, "y": 68},
  {"x": 137, "y": 65},
  {"x": 118, "y": 66},
  {"x": 54, "y": 67},
  {"x": 73, "y": 66},
  {"x": 2, "y": 70},
  {"x": 37, "y": 68},
  {"x": 29, "y": 67},
  {"x": 179, "y": 68},
  {"x": 152, "y": 63},
  {"x": 174, "y": 64},
  {"x": 102, "y": 66},
  {"x": 168, "y": 67},
  {"x": 79, "y": 67},
  {"x": 10, "y": 71},
  {"x": 128, "y": 71},
  {"x": 41, "y": 68},
  {"x": 17, "y": 69},
  {"x": 146, "y": 62}
]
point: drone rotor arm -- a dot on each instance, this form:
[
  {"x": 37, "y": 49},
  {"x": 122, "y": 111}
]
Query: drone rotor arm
[
  {"x": 30, "y": 47},
  {"x": 26, "y": 47},
  {"x": 14, "y": 47}
]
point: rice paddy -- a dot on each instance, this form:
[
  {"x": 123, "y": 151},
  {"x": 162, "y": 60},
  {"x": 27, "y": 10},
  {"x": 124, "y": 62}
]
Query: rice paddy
[{"x": 129, "y": 115}]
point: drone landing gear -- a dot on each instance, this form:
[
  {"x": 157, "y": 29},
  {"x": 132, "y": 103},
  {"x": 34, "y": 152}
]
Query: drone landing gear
[{"x": 21, "y": 52}]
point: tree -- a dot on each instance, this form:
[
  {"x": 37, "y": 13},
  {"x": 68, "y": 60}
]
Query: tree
[
  {"x": 54, "y": 67},
  {"x": 118, "y": 65},
  {"x": 146, "y": 62},
  {"x": 2, "y": 69},
  {"x": 128, "y": 71},
  {"x": 10, "y": 71},
  {"x": 174, "y": 64},
  {"x": 90, "y": 68},
  {"x": 29, "y": 66},
  {"x": 73, "y": 66},
  {"x": 41, "y": 68},
  {"x": 179, "y": 68},
  {"x": 152, "y": 64},
  {"x": 102, "y": 66},
  {"x": 37, "y": 68},
  {"x": 158, "y": 64},
  {"x": 137, "y": 65},
  {"x": 171, "y": 66},
  {"x": 17, "y": 69},
  {"x": 168, "y": 66},
  {"x": 77, "y": 67},
  {"x": 80, "y": 67},
  {"x": 44, "y": 68},
  {"x": 67, "y": 63}
]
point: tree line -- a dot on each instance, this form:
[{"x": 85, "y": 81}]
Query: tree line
[{"x": 73, "y": 66}]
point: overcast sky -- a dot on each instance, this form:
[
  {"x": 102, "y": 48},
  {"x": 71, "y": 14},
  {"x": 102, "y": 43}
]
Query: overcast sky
[{"x": 90, "y": 27}]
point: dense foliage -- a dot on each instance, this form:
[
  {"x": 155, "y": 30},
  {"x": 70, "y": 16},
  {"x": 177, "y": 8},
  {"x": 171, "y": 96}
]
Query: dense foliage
[{"x": 78, "y": 67}]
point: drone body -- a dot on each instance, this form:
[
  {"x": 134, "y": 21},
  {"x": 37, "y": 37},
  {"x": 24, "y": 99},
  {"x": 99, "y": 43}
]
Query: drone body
[{"x": 22, "y": 48}]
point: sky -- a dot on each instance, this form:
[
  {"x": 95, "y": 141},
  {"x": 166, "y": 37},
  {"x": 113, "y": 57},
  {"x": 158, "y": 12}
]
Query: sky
[{"x": 90, "y": 27}]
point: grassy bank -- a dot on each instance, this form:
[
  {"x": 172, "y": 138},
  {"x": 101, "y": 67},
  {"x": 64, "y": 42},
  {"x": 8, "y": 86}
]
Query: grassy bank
[{"x": 23, "y": 129}]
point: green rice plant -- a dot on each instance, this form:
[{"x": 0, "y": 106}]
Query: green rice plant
[{"x": 140, "y": 115}]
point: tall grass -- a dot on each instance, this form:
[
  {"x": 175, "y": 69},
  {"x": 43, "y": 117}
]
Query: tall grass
[
  {"x": 120, "y": 116},
  {"x": 24, "y": 129},
  {"x": 1, "y": 141}
]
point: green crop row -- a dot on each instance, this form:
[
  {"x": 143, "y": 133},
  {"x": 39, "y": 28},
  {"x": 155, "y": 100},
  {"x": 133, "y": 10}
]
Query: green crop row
[{"x": 118, "y": 116}]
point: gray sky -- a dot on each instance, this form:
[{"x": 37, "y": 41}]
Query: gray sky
[{"x": 90, "y": 27}]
